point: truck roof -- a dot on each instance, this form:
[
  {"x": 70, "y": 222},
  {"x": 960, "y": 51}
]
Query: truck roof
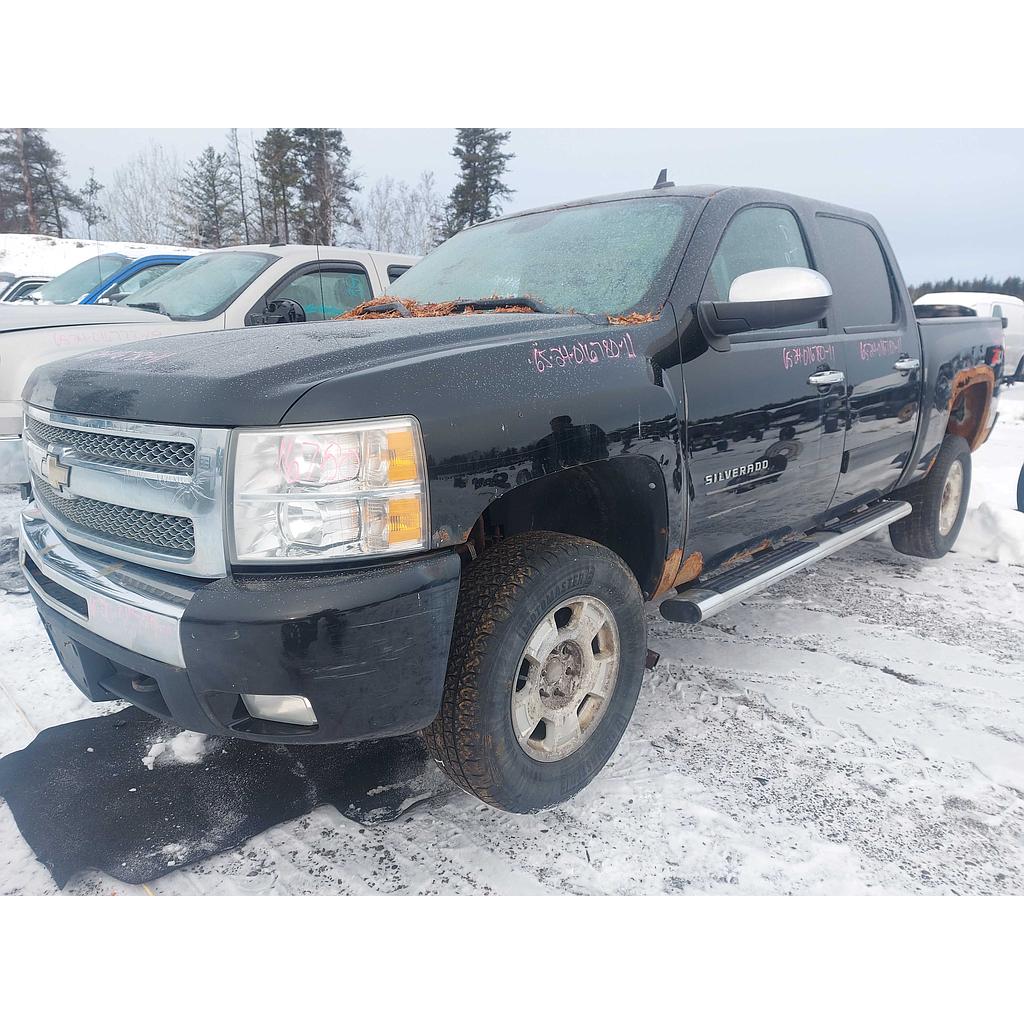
[
  {"x": 312, "y": 252},
  {"x": 696, "y": 192}
]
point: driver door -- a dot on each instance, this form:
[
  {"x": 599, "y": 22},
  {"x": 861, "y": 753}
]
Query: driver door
[{"x": 764, "y": 439}]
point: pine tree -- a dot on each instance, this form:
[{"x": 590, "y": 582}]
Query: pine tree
[
  {"x": 209, "y": 214},
  {"x": 326, "y": 185},
  {"x": 280, "y": 168},
  {"x": 477, "y": 194},
  {"x": 34, "y": 194},
  {"x": 89, "y": 202}
]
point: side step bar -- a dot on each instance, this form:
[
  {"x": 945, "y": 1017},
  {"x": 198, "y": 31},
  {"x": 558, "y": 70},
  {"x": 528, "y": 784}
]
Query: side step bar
[{"x": 705, "y": 598}]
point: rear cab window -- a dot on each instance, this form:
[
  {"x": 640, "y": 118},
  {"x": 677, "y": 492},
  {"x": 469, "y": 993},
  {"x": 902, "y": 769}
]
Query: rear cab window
[{"x": 863, "y": 295}]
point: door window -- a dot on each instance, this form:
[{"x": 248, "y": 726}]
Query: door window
[
  {"x": 325, "y": 294},
  {"x": 132, "y": 284},
  {"x": 861, "y": 287},
  {"x": 758, "y": 238}
]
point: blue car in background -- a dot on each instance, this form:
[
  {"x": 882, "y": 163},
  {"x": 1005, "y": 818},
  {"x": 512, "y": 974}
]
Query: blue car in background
[
  {"x": 133, "y": 276},
  {"x": 107, "y": 277}
]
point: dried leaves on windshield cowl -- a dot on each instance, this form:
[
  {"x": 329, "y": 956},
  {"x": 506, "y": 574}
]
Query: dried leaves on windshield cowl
[
  {"x": 375, "y": 309},
  {"x": 635, "y": 318},
  {"x": 371, "y": 309}
]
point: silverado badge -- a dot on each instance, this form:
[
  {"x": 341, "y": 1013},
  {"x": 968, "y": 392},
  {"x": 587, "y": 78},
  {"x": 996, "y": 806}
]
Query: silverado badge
[{"x": 731, "y": 474}]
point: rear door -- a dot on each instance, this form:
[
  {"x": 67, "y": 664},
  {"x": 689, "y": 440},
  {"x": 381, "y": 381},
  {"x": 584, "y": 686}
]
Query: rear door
[
  {"x": 763, "y": 440},
  {"x": 882, "y": 348}
]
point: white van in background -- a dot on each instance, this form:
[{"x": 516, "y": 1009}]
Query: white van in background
[{"x": 990, "y": 304}]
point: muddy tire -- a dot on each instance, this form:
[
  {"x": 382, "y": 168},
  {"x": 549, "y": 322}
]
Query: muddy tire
[
  {"x": 939, "y": 502},
  {"x": 546, "y": 663}
]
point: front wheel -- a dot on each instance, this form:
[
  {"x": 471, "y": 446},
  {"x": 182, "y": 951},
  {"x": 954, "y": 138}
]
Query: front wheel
[
  {"x": 939, "y": 504},
  {"x": 546, "y": 664}
]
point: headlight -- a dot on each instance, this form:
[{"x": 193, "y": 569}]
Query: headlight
[{"x": 329, "y": 491}]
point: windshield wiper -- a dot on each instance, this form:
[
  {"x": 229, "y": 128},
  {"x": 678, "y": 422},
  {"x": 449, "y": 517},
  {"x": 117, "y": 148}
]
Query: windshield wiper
[
  {"x": 388, "y": 306},
  {"x": 150, "y": 307},
  {"x": 504, "y": 302},
  {"x": 391, "y": 306}
]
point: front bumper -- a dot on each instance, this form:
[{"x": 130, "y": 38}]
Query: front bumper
[
  {"x": 368, "y": 648},
  {"x": 13, "y": 467}
]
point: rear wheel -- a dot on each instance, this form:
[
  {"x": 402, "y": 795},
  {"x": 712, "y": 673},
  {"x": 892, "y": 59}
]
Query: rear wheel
[
  {"x": 939, "y": 504},
  {"x": 546, "y": 663}
]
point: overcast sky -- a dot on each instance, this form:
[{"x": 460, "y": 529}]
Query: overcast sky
[{"x": 950, "y": 200}]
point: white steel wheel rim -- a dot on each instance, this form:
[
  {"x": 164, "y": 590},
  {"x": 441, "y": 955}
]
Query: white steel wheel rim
[
  {"x": 565, "y": 678},
  {"x": 952, "y": 495}
]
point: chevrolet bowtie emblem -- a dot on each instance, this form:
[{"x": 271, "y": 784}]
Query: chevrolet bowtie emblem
[{"x": 57, "y": 474}]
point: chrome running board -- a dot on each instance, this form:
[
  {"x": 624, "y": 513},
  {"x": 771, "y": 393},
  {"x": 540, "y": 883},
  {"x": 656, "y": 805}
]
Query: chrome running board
[{"x": 706, "y": 597}]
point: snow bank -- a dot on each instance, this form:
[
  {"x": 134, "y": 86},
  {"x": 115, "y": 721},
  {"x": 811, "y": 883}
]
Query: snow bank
[
  {"x": 993, "y": 533},
  {"x": 46, "y": 255},
  {"x": 185, "y": 748}
]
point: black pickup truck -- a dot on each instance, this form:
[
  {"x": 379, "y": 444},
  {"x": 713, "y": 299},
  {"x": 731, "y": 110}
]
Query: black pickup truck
[{"x": 447, "y": 513}]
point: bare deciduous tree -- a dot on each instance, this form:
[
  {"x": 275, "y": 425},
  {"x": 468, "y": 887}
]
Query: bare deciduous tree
[
  {"x": 400, "y": 218},
  {"x": 143, "y": 202}
]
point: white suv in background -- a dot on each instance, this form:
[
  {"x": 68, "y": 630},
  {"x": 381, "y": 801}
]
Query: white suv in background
[{"x": 235, "y": 287}]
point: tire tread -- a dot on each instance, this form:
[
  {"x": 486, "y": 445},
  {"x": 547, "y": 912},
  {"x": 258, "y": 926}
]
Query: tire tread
[{"x": 487, "y": 596}]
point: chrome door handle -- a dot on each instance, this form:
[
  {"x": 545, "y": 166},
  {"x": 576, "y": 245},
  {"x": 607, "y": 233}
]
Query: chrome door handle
[
  {"x": 906, "y": 365},
  {"x": 823, "y": 378}
]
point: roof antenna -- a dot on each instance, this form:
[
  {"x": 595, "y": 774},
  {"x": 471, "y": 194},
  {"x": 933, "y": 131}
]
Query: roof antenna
[{"x": 663, "y": 181}]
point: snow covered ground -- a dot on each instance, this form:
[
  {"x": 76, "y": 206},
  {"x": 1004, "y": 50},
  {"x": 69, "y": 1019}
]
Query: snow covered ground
[
  {"x": 43, "y": 254},
  {"x": 860, "y": 728}
]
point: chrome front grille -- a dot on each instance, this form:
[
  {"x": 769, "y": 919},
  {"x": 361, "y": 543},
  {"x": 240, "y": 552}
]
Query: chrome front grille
[
  {"x": 147, "y": 493},
  {"x": 116, "y": 449},
  {"x": 153, "y": 531}
]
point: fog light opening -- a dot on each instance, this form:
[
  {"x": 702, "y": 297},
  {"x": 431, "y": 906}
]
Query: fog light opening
[{"x": 275, "y": 707}]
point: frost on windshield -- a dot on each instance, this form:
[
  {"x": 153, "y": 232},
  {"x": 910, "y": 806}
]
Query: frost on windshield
[{"x": 603, "y": 258}]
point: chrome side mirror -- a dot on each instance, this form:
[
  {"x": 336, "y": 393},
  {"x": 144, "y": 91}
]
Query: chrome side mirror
[{"x": 766, "y": 300}]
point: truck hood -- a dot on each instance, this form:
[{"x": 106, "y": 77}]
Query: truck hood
[
  {"x": 252, "y": 376},
  {"x": 21, "y": 316}
]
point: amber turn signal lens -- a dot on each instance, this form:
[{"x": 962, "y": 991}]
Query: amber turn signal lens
[
  {"x": 401, "y": 456},
  {"x": 404, "y": 520}
]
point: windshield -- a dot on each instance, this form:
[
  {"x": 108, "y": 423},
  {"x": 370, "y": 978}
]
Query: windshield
[
  {"x": 202, "y": 287},
  {"x": 605, "y": 258},
  {"x": 77, "y": 282}
]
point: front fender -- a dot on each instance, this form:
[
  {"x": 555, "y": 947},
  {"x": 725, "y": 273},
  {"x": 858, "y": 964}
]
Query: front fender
[{"x": 498, "y": 416}]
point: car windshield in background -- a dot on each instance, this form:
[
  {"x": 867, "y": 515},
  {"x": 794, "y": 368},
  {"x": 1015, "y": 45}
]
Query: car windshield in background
[
  {"x": 202, "y": 287},
  {"x": 603, "y": 258},
  {"x": 77, "y": 282}
]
